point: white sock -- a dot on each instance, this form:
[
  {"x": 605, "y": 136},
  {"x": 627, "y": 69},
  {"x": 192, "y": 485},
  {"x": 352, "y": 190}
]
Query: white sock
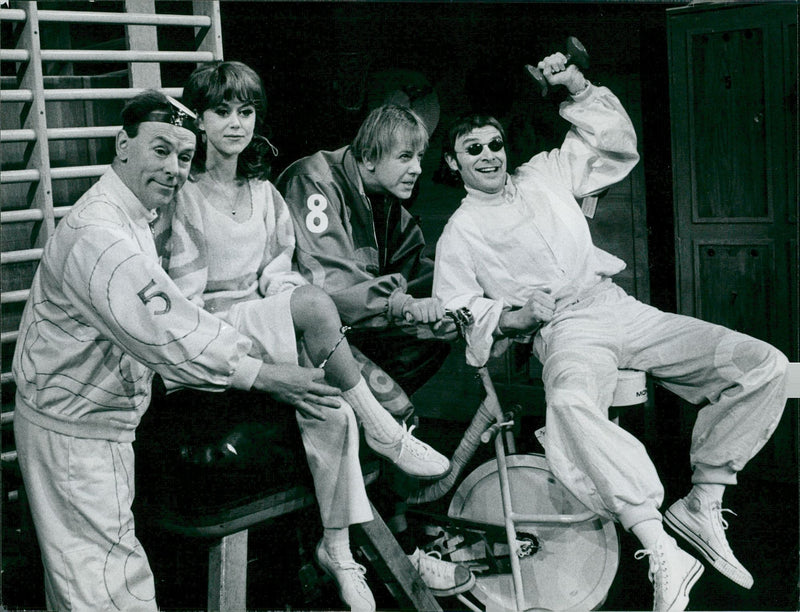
[
  {"x": 337, "y": 542},
  {"x": 708, "y": 491},
  {"x": 377, "y": 421},
  {"x": 648, "y": 532}
]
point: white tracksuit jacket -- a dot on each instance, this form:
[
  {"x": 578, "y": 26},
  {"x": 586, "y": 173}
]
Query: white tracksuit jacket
[{"x": 496, "y": 248}]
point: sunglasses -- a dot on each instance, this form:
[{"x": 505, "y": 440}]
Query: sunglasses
[{"x": 476, "y": 148}]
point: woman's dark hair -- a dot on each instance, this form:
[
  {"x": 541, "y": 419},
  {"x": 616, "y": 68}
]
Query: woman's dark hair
[{"x": 217, "y": 82}]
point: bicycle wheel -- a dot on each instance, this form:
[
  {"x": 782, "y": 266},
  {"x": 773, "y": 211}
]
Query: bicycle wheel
[{"x": 571, "y": 566}]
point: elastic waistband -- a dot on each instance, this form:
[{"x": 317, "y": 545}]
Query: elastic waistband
[{"x": 92, "y": 429}]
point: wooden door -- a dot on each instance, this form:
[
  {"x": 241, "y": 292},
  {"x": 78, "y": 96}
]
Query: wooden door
[{"x": 733, "y": 109}]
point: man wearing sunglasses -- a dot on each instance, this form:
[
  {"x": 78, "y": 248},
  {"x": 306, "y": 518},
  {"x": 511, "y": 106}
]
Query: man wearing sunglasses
[{"x": 518, "y": 253}]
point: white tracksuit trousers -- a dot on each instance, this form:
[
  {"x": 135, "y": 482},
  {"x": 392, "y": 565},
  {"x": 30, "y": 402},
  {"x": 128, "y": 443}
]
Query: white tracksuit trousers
[
  {"x": 332, "y": 452},
  {"x": 80, "y": 492},
  {"x": 739, "y": 382},
  {"x": 331, "y": 444}
]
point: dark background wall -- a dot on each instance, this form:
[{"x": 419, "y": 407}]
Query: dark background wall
[{"x": 312, "y": 55}]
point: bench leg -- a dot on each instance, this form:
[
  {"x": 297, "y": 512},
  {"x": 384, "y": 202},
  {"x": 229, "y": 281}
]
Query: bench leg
[
  {"x": 393, "y": 566},
  {"x": 227, "y": 573}
]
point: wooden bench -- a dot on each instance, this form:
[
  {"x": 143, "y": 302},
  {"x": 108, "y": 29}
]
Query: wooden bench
[{"x": 190, "y": 487}]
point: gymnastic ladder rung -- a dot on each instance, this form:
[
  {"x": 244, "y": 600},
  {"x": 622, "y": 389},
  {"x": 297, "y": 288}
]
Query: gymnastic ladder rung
[
  {"x": 29, "y": 172},
  {"x": 37, "y": 131}
]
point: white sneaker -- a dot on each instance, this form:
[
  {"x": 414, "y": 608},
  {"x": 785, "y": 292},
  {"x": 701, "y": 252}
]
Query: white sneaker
[
  {"x": 701, "y": 524},
  {"x": 349, "y": 577},
  {"x": 411, "y": 455},
  {"x": 442, "y": 577},
  {"x": 673, "y": 573}
]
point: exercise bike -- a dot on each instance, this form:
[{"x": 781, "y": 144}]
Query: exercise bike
[{"x": 530, "y": 543}]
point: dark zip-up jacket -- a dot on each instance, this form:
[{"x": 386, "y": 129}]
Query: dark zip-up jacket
[{"x": 337, "y": 248}]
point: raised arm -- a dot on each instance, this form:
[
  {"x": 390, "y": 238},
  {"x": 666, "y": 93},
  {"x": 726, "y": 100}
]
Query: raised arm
[{"x": 600, "y": 147}]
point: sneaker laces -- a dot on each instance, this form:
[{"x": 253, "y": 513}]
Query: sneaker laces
[
  {"x": 719, "y": 520},
  {"x": 717, "y": 510},
  {"x": 659, "y": 579},
  {"x": 353, "y": 566},
  {"x": 414, "y": 445},
  {"x": 433, "y": 563}
]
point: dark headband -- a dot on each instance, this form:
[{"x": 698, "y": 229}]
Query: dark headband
[{"x": 177, "y": 114}]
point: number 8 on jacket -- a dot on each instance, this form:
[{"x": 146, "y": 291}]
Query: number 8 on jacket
[{"x": 316, "y": 219}]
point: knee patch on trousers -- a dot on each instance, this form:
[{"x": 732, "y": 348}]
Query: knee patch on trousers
[{"x": 750, "y": 353}]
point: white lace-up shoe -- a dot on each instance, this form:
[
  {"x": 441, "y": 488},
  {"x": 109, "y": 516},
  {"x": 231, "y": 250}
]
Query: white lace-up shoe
[
  {"x": 700, "y": 523},
  {"x": 349, "y": 577},
  {"x": 412, "y": 456},
  {"x": 442, "y": 577},
  {"x": 673, "y": 573}
]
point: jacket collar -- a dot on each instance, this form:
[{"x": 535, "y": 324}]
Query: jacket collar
[
  {"x": 125, "y": 198},
  {"x": 351, "y": 169},
  {"x": 481, "y": 198}
]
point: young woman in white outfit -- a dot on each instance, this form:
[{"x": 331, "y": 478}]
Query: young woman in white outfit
[{"x": 231, "y": 251}]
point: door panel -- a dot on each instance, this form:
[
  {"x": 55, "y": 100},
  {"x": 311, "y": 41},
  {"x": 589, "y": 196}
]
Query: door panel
[
  {"x": 728, "y": 126},
  {"x": 733, "y": 114},
  {"x": 733, "y": 281}
]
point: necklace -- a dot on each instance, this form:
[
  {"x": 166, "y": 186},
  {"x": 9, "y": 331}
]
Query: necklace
[{"x": 239, "y": 193}]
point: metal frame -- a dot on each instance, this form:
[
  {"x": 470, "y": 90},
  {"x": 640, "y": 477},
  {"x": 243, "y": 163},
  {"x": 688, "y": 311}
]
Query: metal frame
[{"x": 503, "y": 445}]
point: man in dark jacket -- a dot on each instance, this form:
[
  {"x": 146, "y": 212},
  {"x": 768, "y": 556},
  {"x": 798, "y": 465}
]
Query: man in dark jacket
[{"x": 356, "y": 240}]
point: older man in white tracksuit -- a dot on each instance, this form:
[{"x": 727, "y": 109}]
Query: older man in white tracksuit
[
  {"x": 518, "y": 254},
  {"x": 102, "y": 316}
]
